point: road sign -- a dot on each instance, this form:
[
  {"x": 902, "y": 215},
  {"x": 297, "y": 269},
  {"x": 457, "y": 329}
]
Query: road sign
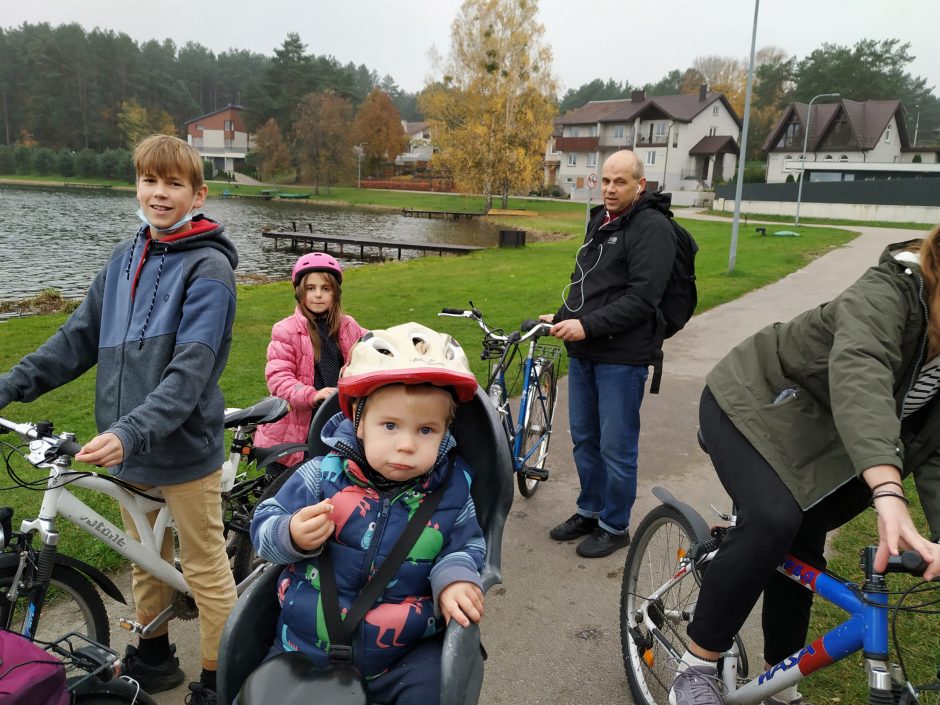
[{"x": 592, "y": 180}]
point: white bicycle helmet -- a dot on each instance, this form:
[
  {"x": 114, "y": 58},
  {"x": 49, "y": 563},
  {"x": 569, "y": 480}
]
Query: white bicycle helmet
[{"x": 409, "y": 353}]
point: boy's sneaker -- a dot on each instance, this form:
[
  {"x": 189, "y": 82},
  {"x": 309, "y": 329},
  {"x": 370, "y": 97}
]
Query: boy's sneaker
[
  {"x": 153, "y": 678},
  {"x": 696, "y": 685},
  {"x": 200, "y": 695}
]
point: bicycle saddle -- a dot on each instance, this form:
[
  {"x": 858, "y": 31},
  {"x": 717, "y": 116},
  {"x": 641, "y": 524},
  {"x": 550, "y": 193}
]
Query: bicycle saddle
[{"x": 267, "y": 410}]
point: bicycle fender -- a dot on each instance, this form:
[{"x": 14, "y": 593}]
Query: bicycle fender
[
  {"x": 95, "y": 575},
  {"x": 11, "y": 560},
  {"x": 702, "y": 530}
]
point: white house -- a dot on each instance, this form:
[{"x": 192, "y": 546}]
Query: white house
[
  {"x": 220, "y": 137},
  {"x": 420, "y": 149},
  {"x": 686, "y": 142},
  {"x": 847, "y": 140}
]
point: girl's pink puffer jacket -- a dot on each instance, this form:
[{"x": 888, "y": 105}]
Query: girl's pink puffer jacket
[{"x": 289, "y": 374}]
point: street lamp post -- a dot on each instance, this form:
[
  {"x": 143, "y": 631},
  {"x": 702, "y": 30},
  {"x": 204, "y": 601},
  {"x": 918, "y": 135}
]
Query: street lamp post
[
  {"x": 359, "y": 165},
  {"x": 809, "y": 116}
]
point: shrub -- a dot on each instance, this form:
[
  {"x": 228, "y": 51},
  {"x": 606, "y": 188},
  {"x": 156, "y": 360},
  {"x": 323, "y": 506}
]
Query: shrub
[
  {"x": 208, "y": 170},
  {"x": 44, "y": 161},
  {"x": 22, "y": 159},
  {"x": 6, "y": 159},
  {"x": 86, "y": 163},
  {"x": 65, "y": 161}
]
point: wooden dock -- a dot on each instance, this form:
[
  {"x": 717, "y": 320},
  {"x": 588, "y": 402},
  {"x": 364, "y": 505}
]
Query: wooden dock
[
  {"x": 295, "y": 241},
  {"x": 445, "y": 215}
]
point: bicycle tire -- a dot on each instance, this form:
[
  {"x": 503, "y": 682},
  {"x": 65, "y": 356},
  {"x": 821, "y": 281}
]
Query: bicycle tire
[
  {"x": 540, "y": 408},
  {"x": 662, "y": 538},
  {"x": 244, "y": 558},
  {"x": 75, "y": 606}
]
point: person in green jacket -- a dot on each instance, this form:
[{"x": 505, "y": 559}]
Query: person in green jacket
[{"x": 808, "y": 423}]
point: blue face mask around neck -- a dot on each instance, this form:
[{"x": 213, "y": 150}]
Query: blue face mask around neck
[{"x": 173, "y": 228}]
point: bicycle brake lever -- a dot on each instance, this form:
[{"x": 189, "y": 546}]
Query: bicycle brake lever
[{"x": 721, "y": 515}]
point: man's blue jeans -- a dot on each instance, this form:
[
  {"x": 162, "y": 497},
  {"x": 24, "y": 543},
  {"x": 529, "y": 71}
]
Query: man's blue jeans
[{"x": 604, "y": 417}]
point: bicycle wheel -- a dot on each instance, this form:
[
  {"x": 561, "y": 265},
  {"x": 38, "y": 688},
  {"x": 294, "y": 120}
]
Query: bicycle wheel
[
  {"x": 72, "y": 604},
  {"x": 244, "y": 558},
  {"x": 660, "y": 543},
  {"x": 540, "y": 407}
]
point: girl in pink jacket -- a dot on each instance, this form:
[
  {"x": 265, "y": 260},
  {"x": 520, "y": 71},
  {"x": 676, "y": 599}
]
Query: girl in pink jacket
[{"x": 307, "y": 350}]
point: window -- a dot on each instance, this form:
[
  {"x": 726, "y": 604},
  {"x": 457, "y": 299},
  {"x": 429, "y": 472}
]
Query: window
[
  {"x": 793, "y": 136},
  {"x": 828, "y": 157},
  {"x": 844, "y": 158},
  {"x": 715, "y": 110},
  {"x": 229, "y": 126},
  {"x": 592, "y": 159},
  {"x": 199, "y": 126},
  {"x": 592, "y": 131},
  {"x": 618, "y": 132},
  {"x": 662, "y": 127},
  {"x": 712, "y": 131},
  {"x": 675, "y": 138},
  {"x": 888, "y": 135},
  {"x": 650, "y": 158},
  {"x": 569, "y": 180},
  {"x": 571, "y": 131},
  {"x": 572, "y": 158}
]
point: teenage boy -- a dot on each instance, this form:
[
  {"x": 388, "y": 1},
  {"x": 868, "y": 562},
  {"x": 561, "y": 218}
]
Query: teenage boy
[{"x": 157, "y": 321}]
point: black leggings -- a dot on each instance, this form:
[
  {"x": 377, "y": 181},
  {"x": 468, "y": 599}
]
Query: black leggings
[{"x": 769, "y": 525}]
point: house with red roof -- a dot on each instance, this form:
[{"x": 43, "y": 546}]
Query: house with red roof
[
  {"x": 846, "y": 140},
  {"x": 686, "y": 143},
  {"x": 221, "y": 137}
]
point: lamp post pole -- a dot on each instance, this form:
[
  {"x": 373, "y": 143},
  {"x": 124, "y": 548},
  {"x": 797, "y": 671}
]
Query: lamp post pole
[
  {"x": 742, "y": 151},
  {"x": 359, "y": 167},
  {"x": 809, "y": 117}
]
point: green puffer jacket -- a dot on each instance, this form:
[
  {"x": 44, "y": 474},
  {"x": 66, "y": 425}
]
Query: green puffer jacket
[{"x": 851, "y": 362}]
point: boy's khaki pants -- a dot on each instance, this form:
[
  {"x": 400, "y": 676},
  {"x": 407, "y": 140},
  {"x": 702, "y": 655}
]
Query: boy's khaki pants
[{"x": 197, "y": 512}]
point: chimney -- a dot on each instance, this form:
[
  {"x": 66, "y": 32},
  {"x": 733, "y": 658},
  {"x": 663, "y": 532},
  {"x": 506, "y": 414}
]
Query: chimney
[
  {"x": 638, "y": 97},
  {"x": 702, "y": 92}
]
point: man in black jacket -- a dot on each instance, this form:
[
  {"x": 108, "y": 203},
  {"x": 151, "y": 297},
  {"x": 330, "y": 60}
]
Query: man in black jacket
[{"x": 608, "y": 323}]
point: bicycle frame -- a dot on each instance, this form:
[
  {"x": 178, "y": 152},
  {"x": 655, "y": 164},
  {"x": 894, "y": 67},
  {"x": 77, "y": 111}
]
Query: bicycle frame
[{"x": 866, "y": 628}]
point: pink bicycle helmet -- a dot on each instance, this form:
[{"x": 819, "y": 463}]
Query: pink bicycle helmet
[
  {"x": 409, "y": 353},
  {"x": 315, "y": 262}
]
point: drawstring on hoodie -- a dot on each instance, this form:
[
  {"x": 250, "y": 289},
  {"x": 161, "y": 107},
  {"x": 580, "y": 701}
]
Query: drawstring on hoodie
[
  {"x": 153, "y": 299},
  {"x": 130, "y": 256}
]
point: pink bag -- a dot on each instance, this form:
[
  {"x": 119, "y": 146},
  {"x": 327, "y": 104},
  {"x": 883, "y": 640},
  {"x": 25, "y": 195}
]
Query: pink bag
[{"x": 28, "y": 674}]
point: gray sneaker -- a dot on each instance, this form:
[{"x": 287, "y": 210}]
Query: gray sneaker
[
  {"x": 696, "y": 685},
  {"x": 774, "y": 700}
]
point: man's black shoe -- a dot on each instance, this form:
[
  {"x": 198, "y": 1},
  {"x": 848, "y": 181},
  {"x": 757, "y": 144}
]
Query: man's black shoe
[
  {"x": 602, "y": 543},
  {"x": 153, "y": 678},
  {"x": 573, "y": 527}
]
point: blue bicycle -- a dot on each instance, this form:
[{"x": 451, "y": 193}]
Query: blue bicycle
[
  {"x": 670, "y": 551},
  {"x": 534, "y": 378}
]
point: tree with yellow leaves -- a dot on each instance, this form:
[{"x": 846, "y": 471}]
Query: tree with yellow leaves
[{"x": 491, "y": 114}]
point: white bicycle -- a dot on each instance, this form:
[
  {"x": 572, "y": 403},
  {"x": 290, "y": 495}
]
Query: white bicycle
[{"x": 36, "y": 577}]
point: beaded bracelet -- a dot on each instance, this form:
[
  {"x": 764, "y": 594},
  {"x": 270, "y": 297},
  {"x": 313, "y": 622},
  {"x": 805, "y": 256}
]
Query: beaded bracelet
[
  {"x": 887, "y": 482},
  {"x": 890, "y": 494}
]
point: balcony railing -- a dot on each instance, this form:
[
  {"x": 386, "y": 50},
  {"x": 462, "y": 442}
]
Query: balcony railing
[
  {"x": 654, "y": 141},
  {"x": 695, "y": 174},
  {"x": 619, "y": 142}
]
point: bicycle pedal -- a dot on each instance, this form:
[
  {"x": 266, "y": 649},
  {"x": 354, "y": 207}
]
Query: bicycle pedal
[
  {"x": 535, "y": 473},
  {"x": 130, "y": 625}
]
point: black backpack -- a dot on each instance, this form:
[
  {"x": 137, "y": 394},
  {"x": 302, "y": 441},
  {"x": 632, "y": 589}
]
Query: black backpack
[{"x": 679, "y": 298}]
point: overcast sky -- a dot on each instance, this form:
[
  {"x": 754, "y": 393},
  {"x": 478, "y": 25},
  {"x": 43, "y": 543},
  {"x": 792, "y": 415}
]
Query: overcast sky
[{"x": 620, "y": 39}]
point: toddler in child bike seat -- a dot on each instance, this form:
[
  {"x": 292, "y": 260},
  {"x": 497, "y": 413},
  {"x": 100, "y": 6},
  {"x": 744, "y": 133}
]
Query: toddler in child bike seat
[
  {"x": 307, "y": 349},
  {"x": 338, "y": 518}
]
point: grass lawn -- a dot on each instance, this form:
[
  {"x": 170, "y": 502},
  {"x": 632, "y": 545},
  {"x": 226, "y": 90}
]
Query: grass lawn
[
  {"x": 822, "y": 221},
  {"x": 508, "y": 285}
]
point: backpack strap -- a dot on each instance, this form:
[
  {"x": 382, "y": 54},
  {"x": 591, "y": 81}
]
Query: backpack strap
[{"x": 341, "y": 630}]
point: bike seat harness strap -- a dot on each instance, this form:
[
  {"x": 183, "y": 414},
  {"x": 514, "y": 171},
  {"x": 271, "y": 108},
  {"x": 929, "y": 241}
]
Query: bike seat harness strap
[{"x": 341, "y": 630}]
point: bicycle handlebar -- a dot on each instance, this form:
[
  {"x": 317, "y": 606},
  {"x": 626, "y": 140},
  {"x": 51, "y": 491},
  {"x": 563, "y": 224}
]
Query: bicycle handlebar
[
  {"x": 530, "y": 328},
  {"x": 61, "y": 444}
]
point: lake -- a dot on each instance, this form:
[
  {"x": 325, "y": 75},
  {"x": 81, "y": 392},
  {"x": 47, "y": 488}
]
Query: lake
[{"x": 61, "y": 237}]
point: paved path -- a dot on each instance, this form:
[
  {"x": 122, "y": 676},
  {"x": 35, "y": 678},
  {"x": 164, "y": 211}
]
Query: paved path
[{"x": 552, "y": 628}]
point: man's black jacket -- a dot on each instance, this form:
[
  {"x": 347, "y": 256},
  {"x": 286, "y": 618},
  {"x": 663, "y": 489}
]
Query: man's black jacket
[{"x": 619, "y": 277}]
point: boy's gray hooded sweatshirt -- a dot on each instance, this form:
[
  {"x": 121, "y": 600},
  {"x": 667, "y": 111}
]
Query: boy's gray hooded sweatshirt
[{"x": 157, "y": 321}]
